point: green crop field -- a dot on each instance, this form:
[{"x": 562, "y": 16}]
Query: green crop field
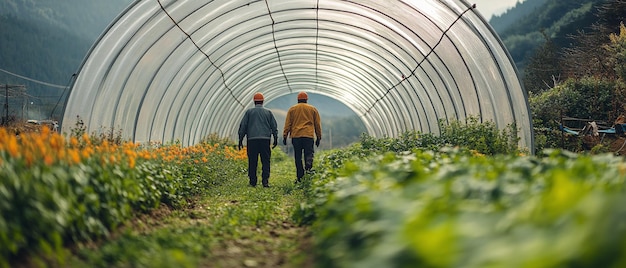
[{"x": 465, "y": 198}]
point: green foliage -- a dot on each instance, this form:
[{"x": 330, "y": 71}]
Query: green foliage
[
  {"x": 592, "y": 98},
  {"x": 471, "y": 137},
  {"x": 600, "y": 149},
  {"x": 44, "y": 208},
  {"x": 226, "y": 218},
  {"x": 214, "y": 138},
  {"x": 278, "y": 155},
  {"x": 452, "y": 209},
  {"x": 484, "y": 137},
  {"x": 550, "y": 138},
  {"x": 175, "y": 248},
  {"x": 522, "y": 47},
  {"x": 617, "y": 48},
  {"x": 597, "y": 99}
]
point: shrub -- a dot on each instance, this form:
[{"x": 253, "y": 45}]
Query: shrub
[
  {"x": 586, "y": 98},
  {"x": 484, "y": 137}
]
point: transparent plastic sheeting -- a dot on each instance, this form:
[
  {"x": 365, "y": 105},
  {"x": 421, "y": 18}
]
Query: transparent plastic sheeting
[{"x": 179, "y": 70}]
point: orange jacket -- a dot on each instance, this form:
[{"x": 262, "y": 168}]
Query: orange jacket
[{"x": 303, "y": 121}]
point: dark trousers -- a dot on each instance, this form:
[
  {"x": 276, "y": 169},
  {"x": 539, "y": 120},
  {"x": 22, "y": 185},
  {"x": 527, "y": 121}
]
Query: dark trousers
[
  {"x": 303, "y": 146},
  {"x": 256, "y": 148}
]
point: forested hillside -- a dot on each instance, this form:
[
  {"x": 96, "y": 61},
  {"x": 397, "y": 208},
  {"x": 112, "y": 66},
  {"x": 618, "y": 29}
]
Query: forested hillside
[
  {"x": 522, "y": 28},
  {"x": 40, "y": 50},
  {"x": 47, "y": 41},
  {"x": 518, "y": 12},
  {"x": 86, "y": 18}
]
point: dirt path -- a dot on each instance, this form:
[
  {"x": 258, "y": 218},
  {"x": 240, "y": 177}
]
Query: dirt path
[
  {"x": 234, "y": 225},
  {"x": 264, "y": 234}
]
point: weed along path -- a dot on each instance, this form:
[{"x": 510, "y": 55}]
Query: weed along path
[{"x": 233, "y": 225}]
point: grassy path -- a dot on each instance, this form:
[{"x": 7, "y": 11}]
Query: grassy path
[{"x": 234, "y": 225}]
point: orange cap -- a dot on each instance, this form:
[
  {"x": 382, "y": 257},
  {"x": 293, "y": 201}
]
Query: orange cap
[
  {"x": 258, "y": 97},
  {"x": 303, "y": 96}
]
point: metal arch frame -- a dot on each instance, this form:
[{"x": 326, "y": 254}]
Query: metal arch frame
[
  {"x": 432, "y": 79},
  {"x": 290, "y": 10},
  {"x": 421, "y": 67},
  {"x": 514, "y": 67},
  {"x": 325, "y": 29},
  {"x": 427, "y": 93}
]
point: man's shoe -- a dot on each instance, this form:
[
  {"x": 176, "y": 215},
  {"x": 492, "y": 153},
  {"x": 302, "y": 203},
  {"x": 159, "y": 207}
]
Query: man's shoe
[
  {"x": 266, "y": 186},
  {"x": 251, "y": 185}
]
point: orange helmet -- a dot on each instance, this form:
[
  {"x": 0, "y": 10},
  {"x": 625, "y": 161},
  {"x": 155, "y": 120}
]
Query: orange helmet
[
  {"x": 258, "y": 97},
  {"x": 303, "y": 96}
]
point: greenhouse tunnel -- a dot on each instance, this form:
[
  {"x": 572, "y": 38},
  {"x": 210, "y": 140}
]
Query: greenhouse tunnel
[{"x": 179, "y": 70}]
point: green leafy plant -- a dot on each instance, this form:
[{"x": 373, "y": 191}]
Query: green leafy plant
[
  {"x": 452, "y": 208},
  {"x": 47, "y": 204}
]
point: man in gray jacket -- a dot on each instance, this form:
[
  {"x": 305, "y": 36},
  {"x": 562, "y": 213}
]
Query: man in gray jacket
[{"x": 258, "y": 124}]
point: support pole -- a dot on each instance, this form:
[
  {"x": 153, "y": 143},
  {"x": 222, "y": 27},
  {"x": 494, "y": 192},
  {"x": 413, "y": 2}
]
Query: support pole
[{"x": 5, "y": 120}]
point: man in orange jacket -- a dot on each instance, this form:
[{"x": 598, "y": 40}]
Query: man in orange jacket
[{"x": 303, "y": 123}]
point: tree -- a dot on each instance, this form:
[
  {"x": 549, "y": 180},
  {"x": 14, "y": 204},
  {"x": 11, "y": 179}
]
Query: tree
[
  {"x": 544, "y": 67},
  {"x": 588, "y": 56},
  {"x": 617, "y": 50}
]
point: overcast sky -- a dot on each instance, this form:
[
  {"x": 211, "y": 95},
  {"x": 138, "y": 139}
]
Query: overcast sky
[{"x": 493, "y": 7}]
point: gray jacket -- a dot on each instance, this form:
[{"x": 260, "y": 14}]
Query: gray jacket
[{"x": 258, "y": 123}]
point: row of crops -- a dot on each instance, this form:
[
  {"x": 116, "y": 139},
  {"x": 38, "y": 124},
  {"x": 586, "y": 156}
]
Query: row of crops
[
  {"x": 465, "y": 198},
  {"x": 57, "y": 191},
  {"x": 421, "y": 201}
]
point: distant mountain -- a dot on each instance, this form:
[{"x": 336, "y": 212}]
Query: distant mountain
[
  {"x": 85, "y": 18},
  {"x": 327, "y": 106},
  {"x": 520, "y": 28},
  {"x": 515, "y": 14},
  {"x": 47, "y": 40}
]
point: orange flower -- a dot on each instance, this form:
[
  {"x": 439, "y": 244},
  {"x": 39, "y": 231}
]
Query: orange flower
[
  {"x": 74, "y": 156},
  {"x": 48, "y": 160},
  {"x": 12, "y": 146},
  {"x": 131, "y": 162},
  {"x": 29, "y": 159},
  {"x": 73, "y": 142}
]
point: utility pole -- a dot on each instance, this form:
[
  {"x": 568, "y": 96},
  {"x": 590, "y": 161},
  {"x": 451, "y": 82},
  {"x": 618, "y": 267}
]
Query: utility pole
[
  {"x": 5, "y": 121},
  {"x": 7, "y": 87}
]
